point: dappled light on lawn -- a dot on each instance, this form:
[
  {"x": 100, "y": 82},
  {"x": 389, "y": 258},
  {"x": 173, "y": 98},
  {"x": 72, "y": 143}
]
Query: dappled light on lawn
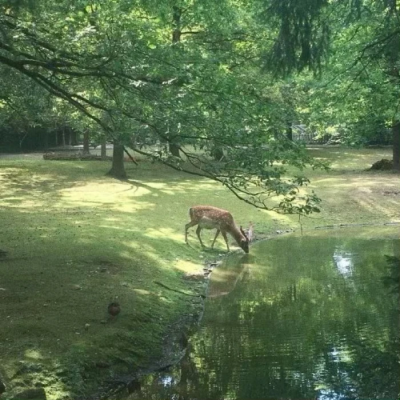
[
  {"x": 188, "y": 266},
  {"x": 143, "y": 292},
  {"x": 33, "y": 354},
  {"x": 163, "y": 232}
]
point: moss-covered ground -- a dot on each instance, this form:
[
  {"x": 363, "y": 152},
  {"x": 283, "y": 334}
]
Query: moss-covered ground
[{"x": 72, "y": 240}]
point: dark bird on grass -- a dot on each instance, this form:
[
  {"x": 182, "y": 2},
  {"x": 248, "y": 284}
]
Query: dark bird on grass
[{"x": 114, "y": 309}]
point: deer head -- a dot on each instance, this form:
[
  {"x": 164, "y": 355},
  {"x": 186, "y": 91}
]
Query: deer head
[{"x": 244, "y": 243}]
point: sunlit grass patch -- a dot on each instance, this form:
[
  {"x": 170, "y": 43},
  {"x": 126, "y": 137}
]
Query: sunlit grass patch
[{"x": 348, "y": 159}]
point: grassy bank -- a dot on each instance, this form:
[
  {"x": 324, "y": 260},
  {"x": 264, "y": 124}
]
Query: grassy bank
[{"x": 76, "y": 240}]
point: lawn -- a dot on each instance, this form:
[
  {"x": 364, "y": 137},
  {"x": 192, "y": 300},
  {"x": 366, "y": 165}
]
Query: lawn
[{"x": 75, "y": 240}]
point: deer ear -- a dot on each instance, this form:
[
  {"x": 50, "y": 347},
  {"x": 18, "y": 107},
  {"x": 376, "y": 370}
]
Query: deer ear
[
  {"x": 250, "y": 231},
  {"x": 243, "y": 233}
]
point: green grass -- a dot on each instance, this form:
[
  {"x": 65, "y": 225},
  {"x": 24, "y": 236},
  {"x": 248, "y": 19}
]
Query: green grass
[
  {"x": 351, "y": 194},
  {"x": 77, "y": 239}
]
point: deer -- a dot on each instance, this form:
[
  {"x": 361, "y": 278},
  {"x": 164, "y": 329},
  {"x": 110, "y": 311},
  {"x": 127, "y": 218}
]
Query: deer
[{"x": 208, "y": 217}]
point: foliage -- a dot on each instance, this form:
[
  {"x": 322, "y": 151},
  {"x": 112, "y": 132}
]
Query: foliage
[
  {"x": 303, "y": 33},
  {"x": 119, "y": 65},
  {"x": 200, "y": 75},
  {"x": 357, "y": 94}
]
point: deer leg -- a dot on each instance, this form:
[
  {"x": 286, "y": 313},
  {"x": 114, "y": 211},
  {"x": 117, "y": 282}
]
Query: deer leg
[
  {"x": 226, "y": 239},
  {"x": 187, "y": 226},
  {"x": 198, "y": 230},
  {"x": 216, "y": 235}
]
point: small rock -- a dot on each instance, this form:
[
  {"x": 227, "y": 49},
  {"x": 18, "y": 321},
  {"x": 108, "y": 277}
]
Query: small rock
[
  {"x": 114, "y": 309},
  {"x": 382, "y": 165}
]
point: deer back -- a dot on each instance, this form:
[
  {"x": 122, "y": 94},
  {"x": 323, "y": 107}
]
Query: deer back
[{"x": 211, "y": 215}]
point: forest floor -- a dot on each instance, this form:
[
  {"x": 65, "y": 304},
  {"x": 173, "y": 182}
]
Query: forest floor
[{"x": 73, "y": 240}]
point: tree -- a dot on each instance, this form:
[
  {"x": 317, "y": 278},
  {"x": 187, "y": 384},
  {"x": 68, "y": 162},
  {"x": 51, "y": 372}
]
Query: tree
[
  {"x": 362, "y": 58},
  {"x": 118, "y": 170},
  {"x": 114, "y": 59}
]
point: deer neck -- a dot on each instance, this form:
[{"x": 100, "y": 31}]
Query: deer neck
[{"x": 237, "y": 235}]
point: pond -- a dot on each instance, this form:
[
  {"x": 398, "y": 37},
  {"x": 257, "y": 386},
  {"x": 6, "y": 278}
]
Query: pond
[{"x": 313, "y": 316}]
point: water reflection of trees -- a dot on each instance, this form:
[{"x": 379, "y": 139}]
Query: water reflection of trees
[
  {"x": 289, "y": 324},
  {"x": 302, "y": 329}
]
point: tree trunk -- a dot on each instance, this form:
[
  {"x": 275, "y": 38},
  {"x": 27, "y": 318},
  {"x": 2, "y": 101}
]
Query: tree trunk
[
  {"x": 396, "y": 145},
  {"x": 103, "y": 148},
  {"x": 176, "y": 24},
  {"x": 46, "y": 140},
  {"x": 176, "y": 38},
  {"x": 289, "y": 131},
  {"x": 74, "y": 137},
  {"x": 173, "y": 149},
  {"x": 394, "y": 58},
  {"x": 217, "y": 153},
  {"x": 63, "y": 137},
  {"x": 22, "y": 140},
  {"x": 118, "y": 168},
  {"x": 86, "y": 142}
]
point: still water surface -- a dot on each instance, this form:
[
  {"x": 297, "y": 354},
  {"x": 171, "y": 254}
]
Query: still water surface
[{"x": 302, "y": 317}]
